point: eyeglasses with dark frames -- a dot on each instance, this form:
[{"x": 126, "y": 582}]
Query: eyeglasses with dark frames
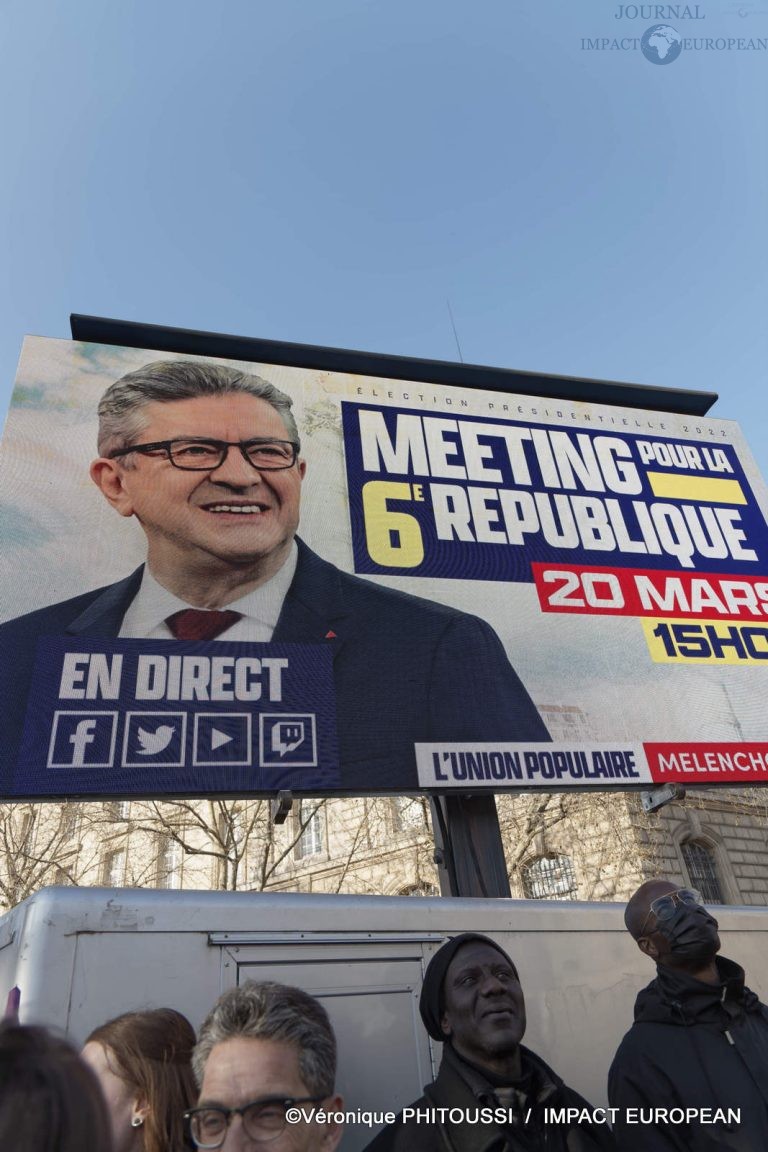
[
  {"x": 263, "y": 1120},
  {"x": 663, "y": 907},
  {"x": 199, "y": 454}
]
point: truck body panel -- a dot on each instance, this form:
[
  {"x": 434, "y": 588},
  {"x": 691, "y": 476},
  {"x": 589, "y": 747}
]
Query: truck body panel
[{"x": 81, "y": 956}]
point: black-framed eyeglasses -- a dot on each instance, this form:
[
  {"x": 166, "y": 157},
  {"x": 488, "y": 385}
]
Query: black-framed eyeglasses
[
  {"x": 263, "y": 1120},
  {"x": 663, "y": 907},
  {"x": 199, "y": 454}
]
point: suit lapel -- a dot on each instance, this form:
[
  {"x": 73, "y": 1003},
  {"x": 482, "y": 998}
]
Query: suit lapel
[
  {"x": 104, "y": 615},
  {"x": 314, "y": 609}
]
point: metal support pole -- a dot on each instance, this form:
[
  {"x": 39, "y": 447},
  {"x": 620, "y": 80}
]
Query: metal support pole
[{"x": 468, "y": 848}]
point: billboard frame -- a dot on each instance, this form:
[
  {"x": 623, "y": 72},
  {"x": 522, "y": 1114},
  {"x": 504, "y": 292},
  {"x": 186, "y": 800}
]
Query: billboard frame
[
  {"x": 190, "y": 341},
  {"x": 469, "y": 850}
]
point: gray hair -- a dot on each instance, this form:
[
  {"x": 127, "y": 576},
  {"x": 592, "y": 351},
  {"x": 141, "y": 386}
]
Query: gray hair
[
  {"x": 121, "y": 419},
  {"x": 269, "y": 1011}
]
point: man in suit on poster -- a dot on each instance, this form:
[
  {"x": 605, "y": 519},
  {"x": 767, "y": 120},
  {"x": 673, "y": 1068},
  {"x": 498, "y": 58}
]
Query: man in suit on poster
[{"x": 206, "y": 458}]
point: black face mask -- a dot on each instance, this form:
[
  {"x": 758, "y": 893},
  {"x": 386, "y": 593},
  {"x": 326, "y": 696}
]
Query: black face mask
[{"x": 692, "y": 934}]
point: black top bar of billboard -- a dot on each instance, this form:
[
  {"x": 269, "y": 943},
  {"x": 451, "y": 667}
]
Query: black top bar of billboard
[{"x": 129, "y": 334}]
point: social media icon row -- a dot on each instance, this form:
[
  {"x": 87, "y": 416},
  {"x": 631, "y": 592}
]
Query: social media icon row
[{"x": 90, "y": 739}]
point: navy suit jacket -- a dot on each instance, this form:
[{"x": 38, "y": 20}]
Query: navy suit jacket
[{"x": 405, "y": 669}]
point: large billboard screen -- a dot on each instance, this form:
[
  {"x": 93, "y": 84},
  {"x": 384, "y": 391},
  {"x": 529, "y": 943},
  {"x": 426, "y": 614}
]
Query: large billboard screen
[{"x": 440, "y": 588}]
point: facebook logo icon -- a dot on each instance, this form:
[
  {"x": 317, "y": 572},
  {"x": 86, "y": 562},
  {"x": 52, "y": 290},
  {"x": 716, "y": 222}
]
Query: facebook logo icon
[{"x": 83, "y": 740}]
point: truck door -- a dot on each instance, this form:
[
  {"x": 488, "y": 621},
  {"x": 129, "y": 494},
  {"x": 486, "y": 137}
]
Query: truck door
[{"x": 369, "y": 984}]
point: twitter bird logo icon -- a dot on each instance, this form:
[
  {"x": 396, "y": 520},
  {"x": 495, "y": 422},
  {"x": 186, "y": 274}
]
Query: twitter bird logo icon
[{"x": 154, "y": 742}]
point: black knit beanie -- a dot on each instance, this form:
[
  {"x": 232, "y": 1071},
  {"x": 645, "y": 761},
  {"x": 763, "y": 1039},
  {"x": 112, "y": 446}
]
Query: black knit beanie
[{"x": 432, "y": 1001}]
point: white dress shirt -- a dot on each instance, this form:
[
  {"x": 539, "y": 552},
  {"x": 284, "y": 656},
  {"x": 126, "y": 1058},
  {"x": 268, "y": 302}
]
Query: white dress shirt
[{"x": 147, "y": 614}]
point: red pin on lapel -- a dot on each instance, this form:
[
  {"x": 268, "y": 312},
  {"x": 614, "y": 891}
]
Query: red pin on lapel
[{"x": 330, "y": 635}]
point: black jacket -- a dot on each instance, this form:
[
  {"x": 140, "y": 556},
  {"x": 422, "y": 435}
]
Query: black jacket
[
  {"x": 694, "y": 1045},
  {"x": 460, "y": 1085}
]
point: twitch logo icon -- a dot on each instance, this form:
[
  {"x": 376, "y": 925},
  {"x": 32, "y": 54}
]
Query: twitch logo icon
[{"x": 287, "y": 740}]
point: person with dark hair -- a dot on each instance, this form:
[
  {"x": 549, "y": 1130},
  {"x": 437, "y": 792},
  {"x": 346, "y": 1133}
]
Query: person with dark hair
[
  {"x": 695, "y": 1061},
  {"x": 143, "y": 1063},
  {"x": 266, "y": 1064},
  {"x": 50, "y": 1101},
  {"x": 207, "y": 459},
  {"x": 491, "y": 1093}
]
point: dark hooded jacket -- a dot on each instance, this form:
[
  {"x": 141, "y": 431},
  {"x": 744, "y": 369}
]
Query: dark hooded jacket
[
  {"x": 460, "y": 1085},
  {"x": 694, "y": 1045}
]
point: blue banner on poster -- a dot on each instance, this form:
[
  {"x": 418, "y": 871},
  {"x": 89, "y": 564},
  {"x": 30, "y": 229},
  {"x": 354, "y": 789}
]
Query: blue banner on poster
[
  {"x": 473, "y": 498},
  {"x": 144, "y": 717}
]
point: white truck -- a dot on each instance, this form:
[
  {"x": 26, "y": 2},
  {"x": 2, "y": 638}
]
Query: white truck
[{"x": 80, "y": 956}]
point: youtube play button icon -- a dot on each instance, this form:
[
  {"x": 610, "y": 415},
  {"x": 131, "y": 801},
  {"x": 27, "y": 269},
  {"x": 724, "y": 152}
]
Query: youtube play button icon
[
  {"x": 218, "y": 738},
  {"x": 222, "y": 738}
]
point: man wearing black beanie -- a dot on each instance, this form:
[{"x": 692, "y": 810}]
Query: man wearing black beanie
[{"x": 491, "y": 1094}]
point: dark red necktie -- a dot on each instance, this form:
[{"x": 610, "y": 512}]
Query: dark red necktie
[{"x": 200, "y": 624}]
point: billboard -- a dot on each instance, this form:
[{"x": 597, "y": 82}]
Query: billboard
[{"x": 447, "y": 588}]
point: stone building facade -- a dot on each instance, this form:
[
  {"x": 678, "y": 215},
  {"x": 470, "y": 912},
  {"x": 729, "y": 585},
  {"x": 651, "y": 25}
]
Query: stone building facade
[{"x": 567, "y": 846}]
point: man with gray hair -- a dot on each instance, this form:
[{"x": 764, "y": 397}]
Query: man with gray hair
[
  {"x": 207, "y": 459},
  {"x": 265, "y": 1062}
]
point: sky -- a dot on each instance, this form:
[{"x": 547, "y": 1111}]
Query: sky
[{"x": 335, "y": 172}]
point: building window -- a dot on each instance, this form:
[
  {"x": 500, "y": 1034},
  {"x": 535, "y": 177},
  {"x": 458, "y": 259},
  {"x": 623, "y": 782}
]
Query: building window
[
  {"x": 549, "y": 878},
  {"x": 407, "y": 814},
  {"x": 701, "y": 866},
  {"x": 169, "y": 858},
  {"x": 113, "y": 868},
  {"x": 27, "y": 825},
  {"x": 70, "y": 821},
  {"x": 119, "y": 809},
  {"x": 310, "y": 843},
  {"x": 422, "y": 889}
]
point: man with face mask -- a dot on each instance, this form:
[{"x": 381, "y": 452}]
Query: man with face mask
[{"x": 699, "y": 1041}]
